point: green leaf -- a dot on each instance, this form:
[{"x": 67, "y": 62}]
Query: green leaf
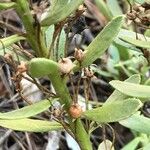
[
  {"x": 58, "y": 51},
  {"x": 103, "y": 8},
  {"x": 137, "y": 123},
  {"x": 61, "y": 48},
  {"x": 147, "y": 33},
  {"x": 59, "y": 10},
  {"x": 7, "y": 5},
  {"x": 127, "y": 33},
  {"x": 114, "y": 4},
  {"x": 30, "y": 125},
  {"x": 5, "y": 42},
  {"x": 14, "y": 53},
  {"x": 116, "y": 95},
  {"x": 131, "y": 89},
  {"x": 39, "y": 67},
  {"x": 123, "y": 51},
  {"x": 49, "y": 35},
  {"x": 114, "y": 111},
  {"x": 138, "y": 43},
  {"x": 101, "y": 42},
  {"x": 100, "y": 72},
  {"x": 146, "y": 147},
  {"x": 132, "y": 145},
  {"x": 27, "y": 111}
]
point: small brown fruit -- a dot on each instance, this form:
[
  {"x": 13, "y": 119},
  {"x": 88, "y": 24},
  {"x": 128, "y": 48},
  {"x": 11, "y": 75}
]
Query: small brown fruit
[{"x": 75, "y": 111}]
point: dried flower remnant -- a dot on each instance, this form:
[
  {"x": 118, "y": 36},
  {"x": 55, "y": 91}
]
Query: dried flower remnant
[
  {"x": 8, "y": 57},
  {"x": 22, "y": 67},
  {"x": 78, "y": 54}
]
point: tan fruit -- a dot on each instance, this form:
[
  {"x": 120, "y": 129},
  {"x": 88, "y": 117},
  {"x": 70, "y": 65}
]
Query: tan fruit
[
  {"x": 75, "y": 111},
  {"x": 65, "y": 65}
]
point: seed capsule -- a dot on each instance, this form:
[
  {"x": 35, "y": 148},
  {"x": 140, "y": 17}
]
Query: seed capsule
[
  {"x": 65, "y": 65},
  {"x": 75, "y": 111}
]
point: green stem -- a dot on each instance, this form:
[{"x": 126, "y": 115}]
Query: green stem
[
  {"x": 76, "y": 127},
  {"x": 39, "y": 67},
  {"x": 34, "y": 34},
  {"x": 82, "y": 136}
]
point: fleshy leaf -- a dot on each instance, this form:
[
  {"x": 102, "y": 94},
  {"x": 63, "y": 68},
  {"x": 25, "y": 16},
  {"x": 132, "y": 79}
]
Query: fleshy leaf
[
  {"x": 131, "y": 89},
  {"x": 7, "y": 5},
  {"x": 101, "y": 42},
  {"x": 114, "y": 111},
  {"x": 132, "y": 145},
  {"x": 30, "y": 125},
  {"x": 137, "y": 123},
  {"x": 114, "y": 4},
  {"x": 116, "y": 95},
  {"x": 59, "y": 10},
  {"x": 138, "y": 43},
  {"x": 5, "y": 42},
  {"x": 103, "y": 8},
  {"x": 39, "y": 67},
  {"x": 27, "y": 111}
]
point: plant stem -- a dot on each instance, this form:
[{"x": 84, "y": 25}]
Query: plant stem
[
  {"x": 33, "y": 29},
  {"x": 77, "y": 128},
  {"x": 37, "y": 42}
]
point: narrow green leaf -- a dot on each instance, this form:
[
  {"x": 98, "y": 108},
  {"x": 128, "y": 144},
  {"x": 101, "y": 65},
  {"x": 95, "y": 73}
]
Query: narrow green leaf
[
  {"x": 30, "y": 125},
  {"x": 114, "y": 4},
  {"x": 140, "y": 1},
  {"x": 27, "y": 111},
  {"x": 101, "y": 72},
  {"x": 10, "y": 40},
  {"x": 131, "y": 89},
  {"x": 139, "y": 43},
  {"x": 58, "y": 49},
  {"x": 101, "y": 42},
  {"x": 146, "y": 147},
  {"x": 147, "y": 33},
  {"x": 132, "y": 145},
  {"x": 7, "y": 5},
  {"x": 39, "y": 67},
  {"x": 60, "y": 10},
  {"x": 61, "y": 48},
  {"x": 103, "y": 8},
  {"x": 49, "y": 35},
  {"x": 137, "y": 123},
  {"x": 123, "y": 51},
  {"x": 127, "y": 33},
  {"x": 116, "y": 95},
  {"x": 114, "y": 111}
]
